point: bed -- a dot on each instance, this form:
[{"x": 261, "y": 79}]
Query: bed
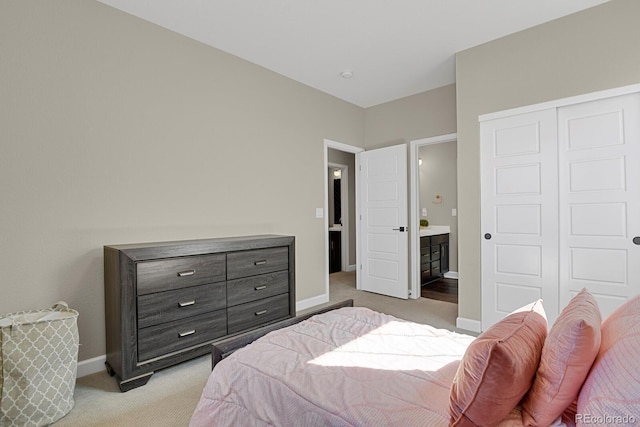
[{"x": 351, "y": 366}]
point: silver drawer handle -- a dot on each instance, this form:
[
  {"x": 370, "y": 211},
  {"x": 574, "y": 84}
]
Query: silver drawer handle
[
  {"x": 187, "y": 303},
  {"x": 259, "y": 288},
  {"x": 261, "y": 262},
  {"x": 185, "y": 334},
  {"x": 260, "y": 313},
  {"x": 186, "y": 273}
]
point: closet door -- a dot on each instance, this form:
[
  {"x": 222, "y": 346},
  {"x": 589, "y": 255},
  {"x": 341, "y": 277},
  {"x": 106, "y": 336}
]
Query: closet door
[
  {"x": 599, "y": 194},
  {"x": 519, "y": 214}
]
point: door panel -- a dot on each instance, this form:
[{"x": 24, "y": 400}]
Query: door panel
[
  {"x": 383, "y": 184},
  {"x": 519, "y": 214},
  {"x": 599, "y": 142}
]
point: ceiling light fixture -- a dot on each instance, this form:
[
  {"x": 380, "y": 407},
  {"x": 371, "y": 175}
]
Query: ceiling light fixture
[{"x": 346, "y": 74}]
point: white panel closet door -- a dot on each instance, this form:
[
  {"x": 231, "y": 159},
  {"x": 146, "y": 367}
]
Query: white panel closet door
[
  {"x": 599, "y": 154},
  {"x": 519, "y": 214}
]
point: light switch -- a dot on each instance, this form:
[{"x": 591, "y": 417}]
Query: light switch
[
  {"x": 319, "y": 213},
  {"x": 424, "y": 212},
  {"x": 454, "y": 212}
]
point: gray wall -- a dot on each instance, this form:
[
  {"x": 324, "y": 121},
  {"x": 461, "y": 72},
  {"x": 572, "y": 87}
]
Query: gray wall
[
  {"x": 426, "y": 114},
  {"x": 438, "y": 177},
  {"x": 589, "y": 51},
  {"x": 114, "y": 130}
]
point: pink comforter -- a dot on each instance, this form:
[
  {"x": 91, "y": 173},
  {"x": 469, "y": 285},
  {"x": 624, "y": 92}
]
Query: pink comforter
[{"x": 347, "y": 367}]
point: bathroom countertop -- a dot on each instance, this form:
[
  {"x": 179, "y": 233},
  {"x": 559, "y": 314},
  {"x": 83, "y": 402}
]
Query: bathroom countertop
[{"x": 433, "y": 230}]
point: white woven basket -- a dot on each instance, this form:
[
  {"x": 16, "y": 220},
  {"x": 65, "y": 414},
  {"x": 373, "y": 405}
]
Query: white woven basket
[{"x": 38, "y": 364}]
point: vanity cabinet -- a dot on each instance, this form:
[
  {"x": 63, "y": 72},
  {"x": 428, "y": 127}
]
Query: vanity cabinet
[
  {"x": 434, "y": 257},
  {"x": 166, "y": 302}
]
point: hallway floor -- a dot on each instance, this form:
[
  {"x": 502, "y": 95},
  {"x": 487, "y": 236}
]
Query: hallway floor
[{"x": 441, "y": 314}]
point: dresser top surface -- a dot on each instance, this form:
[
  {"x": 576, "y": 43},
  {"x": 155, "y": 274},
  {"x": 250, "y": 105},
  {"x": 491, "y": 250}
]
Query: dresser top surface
[{"x": 154, "y": 250}]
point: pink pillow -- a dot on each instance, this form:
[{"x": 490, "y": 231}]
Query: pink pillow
[
  {"x": 612, "y": 388},
  {"x": 567, "y": 355},
  {"x": 498, "y": 367}
]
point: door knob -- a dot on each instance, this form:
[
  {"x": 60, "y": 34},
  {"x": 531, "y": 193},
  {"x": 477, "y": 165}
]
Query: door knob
[
  {"x": 401, "y": 229},
  {"x": 487, "y": 236},
  {"x": 636, "y": 240}
]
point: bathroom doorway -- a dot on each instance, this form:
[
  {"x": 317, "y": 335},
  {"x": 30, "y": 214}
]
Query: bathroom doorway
[{"x": 433, "y": 176}]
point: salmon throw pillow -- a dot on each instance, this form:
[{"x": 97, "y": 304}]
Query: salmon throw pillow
[
  {"x": 498, "y": 367},
  {"x": 612, "y": 388},
  {"x": 568, "y": 353}
]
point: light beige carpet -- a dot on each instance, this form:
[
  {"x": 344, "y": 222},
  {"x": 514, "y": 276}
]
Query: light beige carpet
[
  {"x": 171, "y": 395},
  {"x": 168, "y": 399}
]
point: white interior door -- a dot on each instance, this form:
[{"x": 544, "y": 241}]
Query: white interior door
[
  {"x": 384, "y": 217},
  {"x": 599, "y": 148},
  {"x": 519, "y": 214}
]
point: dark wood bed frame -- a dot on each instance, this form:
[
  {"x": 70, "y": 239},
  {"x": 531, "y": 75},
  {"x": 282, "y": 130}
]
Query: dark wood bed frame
[{"x": 223, "y": 348}]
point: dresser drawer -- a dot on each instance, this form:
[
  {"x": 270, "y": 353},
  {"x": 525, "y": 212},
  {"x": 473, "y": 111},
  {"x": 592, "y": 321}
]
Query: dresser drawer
[
  {"x": 257, "y": 261},
  {"x": 253, "y": 288},
  {"x": 439, "y": 238},
  {"x": 256, "y": 313},
  {"x": 162, "y": 307},
  {"x": 175, "y": 273},
  {"x": 425, "y": 274},
  {"x": 159, "y": 340},
  {"x": 435, "y": 268},
  {"x": 425, "y": 255}
]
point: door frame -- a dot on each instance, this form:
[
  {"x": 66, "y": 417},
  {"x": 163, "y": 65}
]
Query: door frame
[
  {"x": 414, "y": 208},
  {"x": 348, "y": 149}
]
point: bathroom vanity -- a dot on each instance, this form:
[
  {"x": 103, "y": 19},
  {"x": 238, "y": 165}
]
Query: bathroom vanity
[{"x": 434, "y": 253}]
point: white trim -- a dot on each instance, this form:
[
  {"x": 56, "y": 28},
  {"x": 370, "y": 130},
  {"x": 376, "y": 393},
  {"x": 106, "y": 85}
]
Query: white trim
[
  {"x": 312, "y": 302},
  {"x": 351, "y": 267},
  {"x": 468, "y": 324},
  {"x": 414, "y": 241},
  {"x": 349, "y": 149},
  {"x": 342, "y": 147},
  {"x": 608, "y": 93},
  {"x": 91, "y": 366},
  {"x": 451, "y": 275}
]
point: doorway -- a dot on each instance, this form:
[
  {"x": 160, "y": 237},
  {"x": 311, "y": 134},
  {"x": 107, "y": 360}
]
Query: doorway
[
  {"x": 343, "y": 158},
  {"x": 437, "y": 206},
  {"x": 340, "y": 205}
]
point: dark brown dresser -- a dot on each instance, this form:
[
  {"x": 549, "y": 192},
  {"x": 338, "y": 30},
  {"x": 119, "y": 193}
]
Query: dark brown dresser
[{"x": 166, "y": 302}]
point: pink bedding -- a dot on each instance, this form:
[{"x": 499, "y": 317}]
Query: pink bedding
[{"x": 347, "y": 367}]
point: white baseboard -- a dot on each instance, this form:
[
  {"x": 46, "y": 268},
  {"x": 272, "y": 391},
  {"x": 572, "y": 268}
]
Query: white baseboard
[
  {"x": 468, "y": 324},
  {"x": 451, "y": 275},
  {"x": 311, "y": 302},
  {"x": 91, "y": 366}
]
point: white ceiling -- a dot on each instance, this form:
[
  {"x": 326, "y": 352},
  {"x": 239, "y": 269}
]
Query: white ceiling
[{"x": 395, "y": 48}]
